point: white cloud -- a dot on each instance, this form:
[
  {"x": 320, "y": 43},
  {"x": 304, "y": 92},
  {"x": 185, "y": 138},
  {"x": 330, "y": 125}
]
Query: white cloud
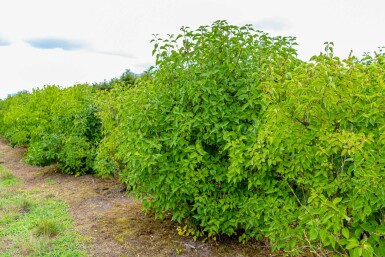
[
  {"x": 114, "y": 53},
  {"x": 274, "y": 24},
  {"x": 55, "y": 43},
  {"x": 39, "y": 67},
  {"x": 4, "y": 42}
]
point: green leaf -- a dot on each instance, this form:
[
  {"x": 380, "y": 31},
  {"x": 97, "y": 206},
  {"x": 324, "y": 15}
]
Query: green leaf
[
  {"x": 353, "y": 243},
  {"x": 356, "y": 252},
  {"x": 313, "y": 233},
  {"x": 345, "y": 233}
]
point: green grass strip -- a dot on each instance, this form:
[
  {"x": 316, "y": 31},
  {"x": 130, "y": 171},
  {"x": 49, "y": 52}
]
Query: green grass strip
[{"x": 33, "y": 223}]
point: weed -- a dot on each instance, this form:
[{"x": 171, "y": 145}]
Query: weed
[
  {"x": 47, "y": 228},
  {"x": 6, "y": 178},
  {"x": 24, "y": 205},
  {"x": 34, "y": 246},
  {"x": 51, "y": 181}
]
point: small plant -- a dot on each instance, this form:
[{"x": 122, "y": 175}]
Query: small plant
[
  {"x": 6, "y": 177},
  {"x": 33, "y": 246},
  {"x": 47, "y": 228},
  {"x": 24, "y": 206},
  {"x": 51, "y": 181}
]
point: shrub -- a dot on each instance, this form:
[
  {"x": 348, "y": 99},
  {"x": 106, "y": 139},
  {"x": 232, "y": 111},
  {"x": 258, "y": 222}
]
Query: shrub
[
  {"x": 127, "y": 79},
  {"x": 177, "y": 132},
  {"x": 78, "y": 127},
  {"x": 234, "y": 135},
  {"x": 116, "y": 108},
  {"x": 16, "y": 124},
  {"x": 57, "y": 125},
  {"x": 231, "y": 134}
]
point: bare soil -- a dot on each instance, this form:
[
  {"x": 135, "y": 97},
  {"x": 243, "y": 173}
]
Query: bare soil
[{"x": 113, "y": 222}]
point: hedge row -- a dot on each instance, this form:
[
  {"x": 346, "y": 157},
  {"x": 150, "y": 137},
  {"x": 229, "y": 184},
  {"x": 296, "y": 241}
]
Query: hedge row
[
  {"x": 232, "y": 134},
  {"x": 58, "y": 126}
]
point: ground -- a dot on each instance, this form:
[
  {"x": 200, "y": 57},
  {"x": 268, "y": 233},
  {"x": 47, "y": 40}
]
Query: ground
[{"x": 112, "y": 222}]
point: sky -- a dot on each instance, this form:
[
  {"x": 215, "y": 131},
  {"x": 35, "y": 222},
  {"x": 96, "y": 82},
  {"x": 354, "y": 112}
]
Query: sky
[{"x": 78, "y": 41}]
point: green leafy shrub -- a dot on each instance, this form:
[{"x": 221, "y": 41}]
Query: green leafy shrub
[
  {"x": 175, "y": 132},
  {"x": 111, "y": 105},
  {"x": 234, "y": 135},
  {"x": 231, "y": 134},
  {"x": 325, "y": 141},
  {"x": 127, "y": 79},
  {"x": 16, "y": 124},
  {"x": 57, "y": 125},
  {"x": 116, "y": 107},
  {"x": 44, "y": 150},
  {"x": 78, "y": 127}
]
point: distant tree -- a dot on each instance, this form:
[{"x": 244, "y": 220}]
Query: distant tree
[
  {"x": 127, "y": 78},
  {"x": 22, "y": 92}
]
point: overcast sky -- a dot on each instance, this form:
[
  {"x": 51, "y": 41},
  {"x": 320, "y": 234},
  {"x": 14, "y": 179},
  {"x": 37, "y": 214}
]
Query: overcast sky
[{"x": 67, "y": 42}]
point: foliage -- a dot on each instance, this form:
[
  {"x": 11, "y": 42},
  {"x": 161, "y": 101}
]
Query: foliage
[
  {"x": 116, "y": 107},
  {"x": 235, "y": 135},
  {"x": 15, "y": 123},
  {"x": 176, "y": 133},
  {"x": 58, "y": 125},
  {"x": 126, "y": 79},
  {"x": 232, "y": 134}
]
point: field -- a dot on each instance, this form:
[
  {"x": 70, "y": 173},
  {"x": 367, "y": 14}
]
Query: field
[{"x": 230, "y": 144}]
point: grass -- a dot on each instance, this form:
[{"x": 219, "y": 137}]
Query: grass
[
  {"x": 33, "y": 224},
  {"x": 6, "y": 178},
  {"x": 47, "y": 228}
]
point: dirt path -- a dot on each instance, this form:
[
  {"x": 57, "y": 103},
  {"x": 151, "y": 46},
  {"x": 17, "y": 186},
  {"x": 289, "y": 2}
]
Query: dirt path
[{"x": 112, "y": 222}]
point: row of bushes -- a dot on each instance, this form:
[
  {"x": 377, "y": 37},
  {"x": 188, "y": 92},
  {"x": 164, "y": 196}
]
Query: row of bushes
[
  {"x": 232, "y": 134},
  {"x": 57, "y": 125}
]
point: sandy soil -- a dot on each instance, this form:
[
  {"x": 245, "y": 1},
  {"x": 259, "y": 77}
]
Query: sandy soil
[{"x": 111, "y": 221}]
